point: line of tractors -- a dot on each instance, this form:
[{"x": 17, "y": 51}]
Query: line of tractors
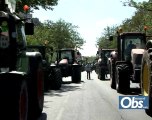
[
  {"x": 130, "y": 62},
  {"x": 25, "y": 71}
]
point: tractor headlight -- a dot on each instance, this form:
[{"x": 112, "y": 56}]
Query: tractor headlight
[
  {"x": 137, "y": 66},
  {"x": 4, "y": 69},
  {"x": 3, "y": 14}
]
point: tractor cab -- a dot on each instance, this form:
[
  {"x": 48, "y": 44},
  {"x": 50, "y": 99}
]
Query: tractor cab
[
  {"x": 68, "y": 62},
  {"x": 13, "y": 31},
  {"x": 67, "y": 55},
  {"x": 70, "y": 55},
  {"x": 129, "y": 41}
]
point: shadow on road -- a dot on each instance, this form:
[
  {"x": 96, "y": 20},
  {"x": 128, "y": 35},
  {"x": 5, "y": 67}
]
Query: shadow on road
[
  {"x": 106, "y": 79},
  {"x": 148, "y": 113},
  {"x": 67, "y": 86},
  {"x": 133, "y": 91}
]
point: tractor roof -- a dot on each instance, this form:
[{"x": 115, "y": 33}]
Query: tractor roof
[
  {"x": 66, "y": 49},
  {"x": 108, "y": 49},
  {"x": 132, "y": 33}
]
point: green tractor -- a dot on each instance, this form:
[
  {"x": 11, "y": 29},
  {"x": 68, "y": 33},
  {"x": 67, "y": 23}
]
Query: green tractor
[
  {"x": 103, "y": 67},
  {"x": 68, "y": 61},
  {"x": 52, "y": 73},
  {"x": 126, "y": 60},
  {"x": 21, "y": 72}
]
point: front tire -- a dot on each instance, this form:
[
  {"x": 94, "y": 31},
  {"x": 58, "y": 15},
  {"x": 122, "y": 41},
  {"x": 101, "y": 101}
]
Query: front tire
[
  {"x": 122, "y": 78},
  {"x": 14, "y": 97},
  {"x": 35, "y": 87},
  {"x": 112, "y": 76},
  {"x": 55, "y": 78}
]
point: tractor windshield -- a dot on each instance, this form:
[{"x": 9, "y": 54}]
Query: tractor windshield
[
  {"x": 4, "y": 34},
  {"x": 133, "y": 42},
  {"x": 105, "y": 54},
  {"x": 65, "y": 54},
  {"x": 21, "y": 38}
]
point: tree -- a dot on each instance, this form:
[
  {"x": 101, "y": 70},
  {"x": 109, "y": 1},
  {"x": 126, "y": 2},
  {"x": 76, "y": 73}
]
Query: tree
[
  {"x": 146, "y": 6},
  {"x": 136, "y": 23},
  {"x": 103, "y": 41},
  {"x": 35, "y": 4},
  {"x": 142, "y": 16},
  {"x": 64, "y": 34},
  {"x": 58, "y": 34}
]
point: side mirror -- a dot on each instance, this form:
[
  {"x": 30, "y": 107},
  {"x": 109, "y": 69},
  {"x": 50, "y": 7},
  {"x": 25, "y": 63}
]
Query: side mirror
[
  {"x": 29, "y": 28},
  {"x": 111, "y": 38},
  {"x": 78, "y": 53},
  {"x": 97, "y": 52},
  {"x": 0, "y": 29}
]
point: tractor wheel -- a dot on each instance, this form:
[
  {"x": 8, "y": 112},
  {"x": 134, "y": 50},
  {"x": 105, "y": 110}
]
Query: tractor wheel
[
  {"x": 46, "y": 81},
  {"x": 55, "y": 79},
  {"x": 102, "y": 74},
  {"x": 76, "y": 74},
  {"x": 119, "y": 85},
  {"x": 14, "y": 98},
  {"x": 35, "y": 87},
  {"x": 122, "y": 77},
  {"x": 98, "y": 76},
  {"x": 146, "y": 82},
  {"x": 149, "y": 111},
  {"x": 112, "y": 76}
]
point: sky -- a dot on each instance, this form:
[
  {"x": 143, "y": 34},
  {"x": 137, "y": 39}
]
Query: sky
[{"x": 91, "y": 16}]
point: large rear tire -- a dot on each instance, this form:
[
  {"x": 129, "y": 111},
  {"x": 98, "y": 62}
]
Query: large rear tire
[
  {"x": 102, "y": 74},
  {"x": 76, "y": 74}
]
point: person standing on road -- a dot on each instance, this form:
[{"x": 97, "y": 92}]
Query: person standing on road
[{"x": 88, "y": 70}]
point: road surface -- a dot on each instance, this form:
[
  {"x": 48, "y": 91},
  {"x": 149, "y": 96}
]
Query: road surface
[{"x": 90, "y": 100}]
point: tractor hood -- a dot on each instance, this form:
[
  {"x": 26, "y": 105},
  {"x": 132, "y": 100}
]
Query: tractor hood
[
  {"x": 63, "y": 61},
  {"x": 113, "y": 55},
  {"x": 136, "y": 55}
]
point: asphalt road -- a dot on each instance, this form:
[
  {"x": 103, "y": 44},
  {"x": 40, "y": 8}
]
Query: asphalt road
[{"x": 90, "y": 100}]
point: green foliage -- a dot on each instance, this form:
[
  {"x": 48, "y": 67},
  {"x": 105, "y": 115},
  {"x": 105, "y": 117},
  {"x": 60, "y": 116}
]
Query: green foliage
[
  {"x": 64, "y": 34},
  {"x": 103, "y": 41},
  {"x": 58, "y": 35},
  {"x": 136, "y": 23},
  {"x": 34, "y": 4},
  {"x": 90, "y": 59}
]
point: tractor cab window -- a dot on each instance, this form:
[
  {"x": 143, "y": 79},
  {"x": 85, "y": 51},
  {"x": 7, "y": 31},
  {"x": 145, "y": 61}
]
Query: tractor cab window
[
  {"x": 4, "y": 26},
  {"x": 4, "y": 34},
  {"x": 21, "y": 37},
  {"x": 132, "y": 42},
  {"x": 66, "y": 55},
  {"x": 107, "y": 54}
]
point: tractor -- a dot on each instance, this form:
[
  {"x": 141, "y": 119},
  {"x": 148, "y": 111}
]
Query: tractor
[
  {"x": 146, "y": 79},
  {"x": 103, "y": 67},
  {"x": 52, "y": 74},
  {"x": 21, "y": 72},
  {"x": 126, "y": 60},
  {"x": 68, "y": 61}
]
